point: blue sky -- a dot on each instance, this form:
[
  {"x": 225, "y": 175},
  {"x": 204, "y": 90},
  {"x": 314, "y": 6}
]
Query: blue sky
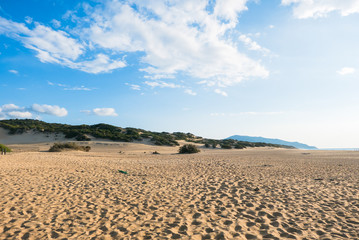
[{"x": 281, "y": 69}]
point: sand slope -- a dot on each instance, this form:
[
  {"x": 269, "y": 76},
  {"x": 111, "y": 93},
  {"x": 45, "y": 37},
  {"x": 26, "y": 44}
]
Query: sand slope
[
  {"x": 250, "y": 194},
  {"x": 29, "y": 137}
]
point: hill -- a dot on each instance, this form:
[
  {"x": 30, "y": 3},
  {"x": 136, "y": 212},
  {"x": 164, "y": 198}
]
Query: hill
[
  {"x": 105, "y": 131},
  {"x": 272, "y": 141}
]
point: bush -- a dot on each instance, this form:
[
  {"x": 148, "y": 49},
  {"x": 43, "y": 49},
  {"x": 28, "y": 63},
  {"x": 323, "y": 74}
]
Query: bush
[
  {"x": 188, "y": 148},
  {"x": 83, "y": 137},
  {"x": 226, "y": 146},
  {"x": 207, "y": 145},
  {"x": 239, "y": 146},
  {"x": 3, "y": 147},
  {"x": 59, "y": 147}
]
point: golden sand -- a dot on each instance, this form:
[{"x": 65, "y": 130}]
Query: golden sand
[{"x": 216, "y": 194}]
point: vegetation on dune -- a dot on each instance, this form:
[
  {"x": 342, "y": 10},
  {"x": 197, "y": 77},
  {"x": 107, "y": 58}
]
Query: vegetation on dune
[
  {"x": 106, "y": 131},
  {"x": 59, "y": 147},
  {"x": 3, "y": 147},
  {"x": 188, "y": 148}
]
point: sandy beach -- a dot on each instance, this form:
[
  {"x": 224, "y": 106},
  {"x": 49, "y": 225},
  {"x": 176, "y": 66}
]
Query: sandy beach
[{"x": 216, "y": 194}]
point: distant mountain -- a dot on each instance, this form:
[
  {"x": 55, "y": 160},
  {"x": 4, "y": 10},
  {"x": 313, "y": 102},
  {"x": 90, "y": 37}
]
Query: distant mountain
[{"x": 272, "y": 141}]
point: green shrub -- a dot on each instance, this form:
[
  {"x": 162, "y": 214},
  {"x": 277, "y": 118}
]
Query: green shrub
[
  {"x": 207, "y": 145},
  {"x": 239, "y": 146},
  {"x": 188, "y": 148},
  {"x": 83, "y": 137},
  {"x": 59, "y": 147},
  {"x": 3, "y": 147},
  {"x": 226, "y": 146}
]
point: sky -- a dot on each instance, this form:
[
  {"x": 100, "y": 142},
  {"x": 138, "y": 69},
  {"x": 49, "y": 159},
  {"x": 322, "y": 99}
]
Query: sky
[{"x": 286, "y": 69}]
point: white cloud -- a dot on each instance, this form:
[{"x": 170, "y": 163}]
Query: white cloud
[
  {"x": 82, "y": 88},
  {"x": 192, "y": 38},
  {"x": 161, "y": 84},
  {"x": 58, "y": 47},
  {"x": 70, "y": 88},
  {"x": 28, "y": 20},
  {"x": 105, "y": 112},
  {"x": 190, "y": 92},
  {"x": 271, "y": 26},
  {"x": 56, "y": 23},
  {"x": 14, "y": 71},
  {"x": 245, "y": 114},
  {"x": 18, "y": 114},
  {"x": 221, "y": 92},
  {"x": 49, "y": 109},
  {"x": 346, "y": 71},
  {"x": 14, "y": 111},
  {"x": 134, "y": 87},
  {"x": 252, "y": 45},
  {"x": 9, "y": 107},
  {"x": 321, "y": 8}
]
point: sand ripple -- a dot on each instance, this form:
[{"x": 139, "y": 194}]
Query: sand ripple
[{"x": 264, "y": 194}]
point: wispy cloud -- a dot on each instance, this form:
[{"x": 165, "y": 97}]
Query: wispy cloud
[
  {"x": 134, "y": 86},
  {"x": 13, "y": 71},
  {"x": 161, "y": 84},
  {"x": 221, "y": 92},
  {"x": 70, "y": 88},
  {"x": 245, "y": 114},
  {"x": 252, "y": 45},
  {"x": 346, "y": 71},
  {"x": 104, "y": 112},
  {"x": 28, "y": 20},
  {"x": 190, "y": 92},
  {"x": 320, "y": 8}
]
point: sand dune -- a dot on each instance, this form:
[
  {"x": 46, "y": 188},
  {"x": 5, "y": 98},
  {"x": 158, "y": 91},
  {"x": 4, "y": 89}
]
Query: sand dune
[
  {"x": 29, "y": 137},
  {"x": 248, "y": 194}
]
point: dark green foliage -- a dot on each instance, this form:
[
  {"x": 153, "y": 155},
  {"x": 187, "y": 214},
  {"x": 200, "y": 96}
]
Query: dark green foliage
[
  {"x": 214, "y": 145},
  {"x": 164, "y": 139},
  {"x": 207, "y": 145},
  {"x": 239, "y": 146},
  {"x": 59, "y": 147},
  {"x": 82, "y": 137},
  {"x": 188, "y": 148},
  {"x": 226, "y": 146},
  {"x": 3, "y": 147}
]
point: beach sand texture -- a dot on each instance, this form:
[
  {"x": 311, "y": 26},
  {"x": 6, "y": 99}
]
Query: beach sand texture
[{"x": 234, "y": 194}]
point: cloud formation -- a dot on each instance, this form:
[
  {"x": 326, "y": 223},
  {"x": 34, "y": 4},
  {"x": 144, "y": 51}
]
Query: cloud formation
[
  {"x": 161, "y": 84},
  {"x": 321, "y": 8},
  {"x": 221, "y": 92},
  {"x": 190, "y": 92},
  {"x": 56, "y": 46},
  {"x": 14, "y": 71},
  {"x": 18, "y": 114},
  {"x": 346, "y": 71},
  {"x": 178, "y": 37},
  {"x": 14, "y": 111},
  {"x": 103, "y": 112},
  {"x": 49, "y": 109},
  {"x": 252, "y": 45}
]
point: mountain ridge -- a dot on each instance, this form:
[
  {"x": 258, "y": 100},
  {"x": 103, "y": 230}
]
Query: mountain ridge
[{"x": 271, "y": 141}]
